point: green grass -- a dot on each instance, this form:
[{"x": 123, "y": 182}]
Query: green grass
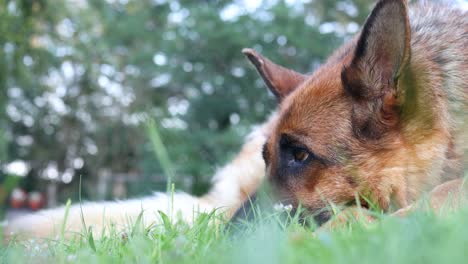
[
  {"x": 418, "y": 238},
  {"x": 270, "y": 238}
]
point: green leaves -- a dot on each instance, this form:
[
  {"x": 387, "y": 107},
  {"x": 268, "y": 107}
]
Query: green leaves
[{"x": 91, "y": 73}]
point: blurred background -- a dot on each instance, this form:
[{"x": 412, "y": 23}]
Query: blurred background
[{"x": 81, "y": 79}]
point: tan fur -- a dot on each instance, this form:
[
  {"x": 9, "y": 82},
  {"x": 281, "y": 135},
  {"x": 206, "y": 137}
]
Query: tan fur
[{"x": 239, "y": 179}]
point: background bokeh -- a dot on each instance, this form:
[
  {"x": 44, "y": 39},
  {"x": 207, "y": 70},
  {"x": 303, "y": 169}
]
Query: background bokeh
[{"x": 80, "y": 79}]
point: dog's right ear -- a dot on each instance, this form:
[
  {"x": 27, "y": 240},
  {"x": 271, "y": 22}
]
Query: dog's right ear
[
  {"x": 279, "y": 80},
  {"x": 381, "y": 55}
]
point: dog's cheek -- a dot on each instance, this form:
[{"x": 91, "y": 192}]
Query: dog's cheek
[{"x": 326, "y": 186}]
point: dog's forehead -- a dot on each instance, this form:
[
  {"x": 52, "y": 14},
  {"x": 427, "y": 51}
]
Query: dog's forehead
[
  {"x": 321, "y": 97},
  {"x": 318, "y": 110}
]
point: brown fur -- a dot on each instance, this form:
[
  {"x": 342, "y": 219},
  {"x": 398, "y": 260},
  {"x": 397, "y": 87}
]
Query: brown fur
[{"x": 379, "y": 118}]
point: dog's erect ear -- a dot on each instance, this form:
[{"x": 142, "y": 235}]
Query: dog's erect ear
[
  {"x": 381, "y": 54},
  {"x": 280, "y": 81}
]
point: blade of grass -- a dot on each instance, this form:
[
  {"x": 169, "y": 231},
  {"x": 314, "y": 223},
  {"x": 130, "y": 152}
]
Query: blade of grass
[
  {"x": 171, "y": 206},
  {"x": 87, "y": 232},
  {"x": 91, "y": 239},
  {"x": 166, "y": 221},
  {"x": 160, "y": 151},
  {"x": 138, "y": 224},
  {"x": 81, "y": 210},
  {"x": 65, "y": 218}
]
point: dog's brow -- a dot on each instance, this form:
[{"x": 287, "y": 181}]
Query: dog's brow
[{"x": 304, "y": 141}]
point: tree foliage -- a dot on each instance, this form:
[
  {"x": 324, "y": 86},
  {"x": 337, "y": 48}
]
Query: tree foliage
[{"x": 79, "y": 79}]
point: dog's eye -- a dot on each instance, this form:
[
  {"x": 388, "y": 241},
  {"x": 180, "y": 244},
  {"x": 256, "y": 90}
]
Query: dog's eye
[
  {"x": 293, "y": 153},
  {"x": 300, "y": 155}
]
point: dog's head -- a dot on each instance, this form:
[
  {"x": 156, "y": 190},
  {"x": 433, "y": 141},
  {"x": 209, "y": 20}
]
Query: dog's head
[{"x": 338, "y": 126}]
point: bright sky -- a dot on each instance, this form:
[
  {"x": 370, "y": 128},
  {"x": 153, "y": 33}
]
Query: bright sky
[{"x": 463, "y": 4}]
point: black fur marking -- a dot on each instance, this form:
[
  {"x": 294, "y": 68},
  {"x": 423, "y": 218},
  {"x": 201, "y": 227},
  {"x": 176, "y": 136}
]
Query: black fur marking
[
  {"x": 246, "y": 211},
  {"x": 322, "y": 216},
  {"x": 265, "y": 153},
  {"x": 362, "y": 42}
]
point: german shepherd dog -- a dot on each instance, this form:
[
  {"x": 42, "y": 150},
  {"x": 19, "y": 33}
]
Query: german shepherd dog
[{"x": 383, "y": 119}]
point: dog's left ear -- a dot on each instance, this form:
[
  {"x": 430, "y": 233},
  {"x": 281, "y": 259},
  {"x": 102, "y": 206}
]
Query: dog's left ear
[
  {"x": 279, "y": 80},
  {"x": 372, "y": 78}
]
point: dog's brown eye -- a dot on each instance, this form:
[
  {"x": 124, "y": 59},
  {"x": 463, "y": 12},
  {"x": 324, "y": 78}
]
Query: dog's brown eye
[{"x": 300, "y": 155}]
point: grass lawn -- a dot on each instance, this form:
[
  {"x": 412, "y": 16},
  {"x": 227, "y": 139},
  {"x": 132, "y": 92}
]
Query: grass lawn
[{"x": 419, "y": 238}]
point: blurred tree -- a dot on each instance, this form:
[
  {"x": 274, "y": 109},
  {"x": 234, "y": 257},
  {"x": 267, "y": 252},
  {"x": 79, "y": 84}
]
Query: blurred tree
[{"x": 79, "y": 78}]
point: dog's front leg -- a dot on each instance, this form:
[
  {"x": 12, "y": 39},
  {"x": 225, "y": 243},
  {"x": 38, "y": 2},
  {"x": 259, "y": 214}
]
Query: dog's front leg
[{"x": 450, "y": 195}]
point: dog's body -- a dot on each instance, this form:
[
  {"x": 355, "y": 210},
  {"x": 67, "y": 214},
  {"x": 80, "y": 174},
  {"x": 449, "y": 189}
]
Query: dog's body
[{"x": 382, "y": 118}]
